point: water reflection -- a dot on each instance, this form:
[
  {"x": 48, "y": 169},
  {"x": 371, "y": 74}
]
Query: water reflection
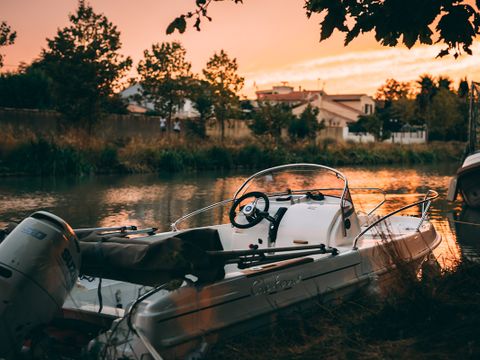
[{"x": 150, "y": 200}]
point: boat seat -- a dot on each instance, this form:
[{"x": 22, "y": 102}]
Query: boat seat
[
  {"x": 310, "y": 224},
  {"x": 154, "y": 261}
]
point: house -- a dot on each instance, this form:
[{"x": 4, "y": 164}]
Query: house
[
  {"x": 335, "y": 110},
  {"x": 140, "y": 106}
]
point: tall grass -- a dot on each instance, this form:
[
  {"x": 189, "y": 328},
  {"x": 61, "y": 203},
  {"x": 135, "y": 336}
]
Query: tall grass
[
  {"x": 77, "y": 154},
  {"x": 435, "y": 318}
]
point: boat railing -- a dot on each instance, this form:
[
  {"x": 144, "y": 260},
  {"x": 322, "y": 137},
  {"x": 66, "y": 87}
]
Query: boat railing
[
  {"x": 425, "y": 203},
  {"x": 174, "y": 226},
  {"x": 377, "y": 206}
]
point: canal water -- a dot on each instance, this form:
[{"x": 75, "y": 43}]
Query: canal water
[{"x": 157, "y": 201}]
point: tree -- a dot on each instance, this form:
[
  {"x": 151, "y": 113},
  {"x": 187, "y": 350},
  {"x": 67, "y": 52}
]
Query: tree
[
  {"x": 7, "y": 37},
  {"x": 372, "y": 124},
  {"x": 428, "y": 89},
  {"x": 84, "y": 65},
  {"x": 444, "y": 82},
  {"x": 456, "y": 22},
  {"x": 27, "y": 89},
  {"x": 269, "y": 119},
  {"x": 221, "y": 73},
  {"x": 201, "y": 95},
  {"x": 463, "y": 89},
  {"x": 393, "y": 90},
  {"x": 307, "y": 125},
  {"x": 404, "y": 111},
  {"x": 446, "y": 121},
  {"x": 164, "y": 76}
]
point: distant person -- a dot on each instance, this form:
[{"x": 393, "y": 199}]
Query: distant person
[
  {"x": 163, "y": 124},
  {"x": 176, "y": 126}
]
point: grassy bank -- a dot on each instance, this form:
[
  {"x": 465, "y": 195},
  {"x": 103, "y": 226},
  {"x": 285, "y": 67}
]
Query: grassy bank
[
  {"x": 74, "y": 154},
  {"x": 433, "y": 319}
]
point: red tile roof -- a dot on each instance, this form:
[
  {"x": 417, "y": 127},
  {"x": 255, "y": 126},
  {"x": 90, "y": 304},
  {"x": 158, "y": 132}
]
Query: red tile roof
[
  {"x": 291, "y": 96},
  {"x": 345, "y": 97}
]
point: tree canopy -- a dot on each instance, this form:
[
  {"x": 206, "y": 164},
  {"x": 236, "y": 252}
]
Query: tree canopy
[
  {"x": 164, "y": 75},
  {"x": 454, "y": 23},
  {"x": 221, "y": 73},
  {"x": 7, "y": 37},
  {"x": 84, "y": 64},
  {"x": 434, "y": 105}
]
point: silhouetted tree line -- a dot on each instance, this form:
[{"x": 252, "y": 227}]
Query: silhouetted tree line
[
  {"x": 81, "y": 71},
  {"x": 430, "y": 103},
  {"x": 275, "y": 119}
]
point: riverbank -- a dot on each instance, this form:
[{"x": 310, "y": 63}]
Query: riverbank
[
  {"x": 81, "y": 155},
  {"x": 431, "y": 319}
]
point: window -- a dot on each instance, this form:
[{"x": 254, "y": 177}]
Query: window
[{"x": 368, "y": 109}]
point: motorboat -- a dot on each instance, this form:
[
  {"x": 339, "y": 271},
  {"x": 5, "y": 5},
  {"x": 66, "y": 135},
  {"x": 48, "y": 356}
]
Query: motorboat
[
  {"x": 467, "y": 181},
  {"x": 290, "y": 236},
  {"x": 466, "y": 225}
]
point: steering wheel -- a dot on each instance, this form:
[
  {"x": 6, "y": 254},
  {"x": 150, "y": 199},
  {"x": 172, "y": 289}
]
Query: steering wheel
[{"x": 251, "y": 212}]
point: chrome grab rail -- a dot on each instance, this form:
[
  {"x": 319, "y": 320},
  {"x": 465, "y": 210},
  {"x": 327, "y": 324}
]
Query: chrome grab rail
[
  {"x": 381, "y": 191},
  {"x": 425, "y": 202},
  {"x": 173, "y": 226}
]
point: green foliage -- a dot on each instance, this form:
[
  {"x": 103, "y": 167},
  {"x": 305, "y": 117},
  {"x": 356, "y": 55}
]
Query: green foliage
[
  {"x": 372, "y": 124},
  {"x": 463, "y": 88},
  {"x": 27, "y": 89},
  {"x": 404, "y": 111},
  {"x": 84, "y": 65},
  {"x": 269, "y": 119},
  {"x": 446, "y": 121},
  {"x": 44, "y": 157},
  {"x": 221, "y": 73},
  {"x": 393, "y": 90},
  {"x": 7, "y": 37},
  {"x": 164, "y": 76},
  {"x": 457, "y": 22},
  {"x": 435, "y": 105},
  {"x": 306, "y": 125},
  {"x": 201, "y": 95}
]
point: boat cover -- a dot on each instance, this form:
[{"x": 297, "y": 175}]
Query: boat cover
[{"x": 150, "y": 262}]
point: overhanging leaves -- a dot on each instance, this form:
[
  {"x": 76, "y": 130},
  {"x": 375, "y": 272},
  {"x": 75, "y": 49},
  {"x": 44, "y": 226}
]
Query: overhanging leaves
[{"x": 392, "y": 21}]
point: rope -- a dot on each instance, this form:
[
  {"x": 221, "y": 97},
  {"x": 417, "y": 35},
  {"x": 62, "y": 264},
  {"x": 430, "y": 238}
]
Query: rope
[{"x": 466, "y": 223}]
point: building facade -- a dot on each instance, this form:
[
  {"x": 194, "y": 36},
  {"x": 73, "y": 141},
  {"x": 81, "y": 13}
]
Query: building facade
[{"x": 337, "y": 110}]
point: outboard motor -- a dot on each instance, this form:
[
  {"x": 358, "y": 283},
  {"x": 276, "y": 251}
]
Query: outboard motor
[{"x": 39, "y": 265}]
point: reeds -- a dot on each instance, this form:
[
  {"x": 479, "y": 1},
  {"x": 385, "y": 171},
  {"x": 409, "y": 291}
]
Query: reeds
[
  {"x": 430, "y": 318},
  {"x": 77, "y": 154}
]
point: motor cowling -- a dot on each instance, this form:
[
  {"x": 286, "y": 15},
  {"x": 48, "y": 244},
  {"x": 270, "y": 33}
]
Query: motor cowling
[{"x": 39, "y": 265}]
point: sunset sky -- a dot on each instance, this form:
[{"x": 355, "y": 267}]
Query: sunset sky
[{"x": 272, "y": 40}]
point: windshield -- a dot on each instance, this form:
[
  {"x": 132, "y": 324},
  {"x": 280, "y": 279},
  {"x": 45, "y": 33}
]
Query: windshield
[
  {"x": 292, "y": 179},
  {"x": 297, "y": 179}
]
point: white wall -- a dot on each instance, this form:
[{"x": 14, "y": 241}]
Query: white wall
[
  {"x": 357, "y": 137},
  {"x": 418, "y": 137}
]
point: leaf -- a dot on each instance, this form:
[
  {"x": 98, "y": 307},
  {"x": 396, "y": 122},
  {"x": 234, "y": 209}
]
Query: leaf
[
  {"x": 197, "y": 24},
  {"x": 178, "y": 24},
  {"x": 443, "y": 53},
  {"x": 200, "y": 2}
]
